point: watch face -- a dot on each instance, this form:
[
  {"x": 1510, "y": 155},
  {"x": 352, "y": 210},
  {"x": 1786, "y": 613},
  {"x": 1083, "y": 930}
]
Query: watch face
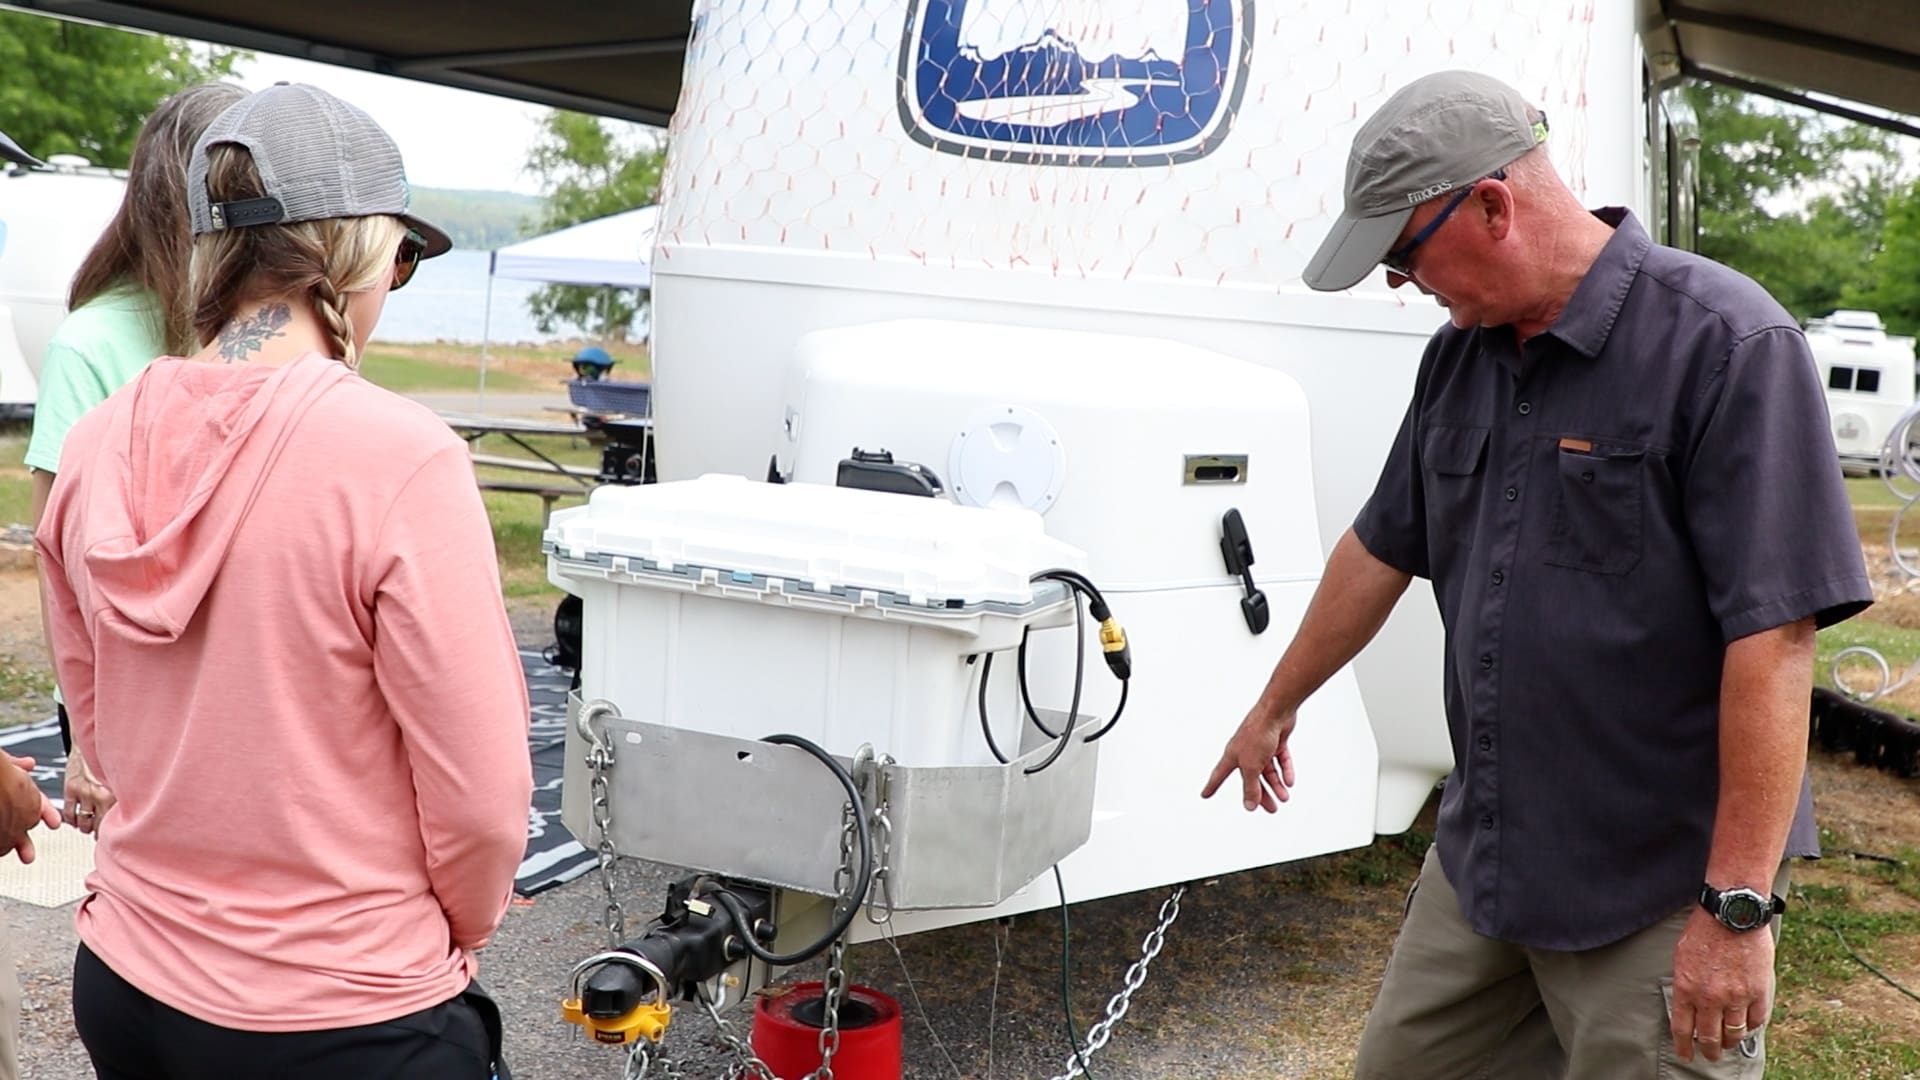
[{"x": 1742, "y": 910}]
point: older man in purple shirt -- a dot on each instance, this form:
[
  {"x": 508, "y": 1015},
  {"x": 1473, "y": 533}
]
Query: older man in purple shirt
[{"x": 1617, "y": 473}]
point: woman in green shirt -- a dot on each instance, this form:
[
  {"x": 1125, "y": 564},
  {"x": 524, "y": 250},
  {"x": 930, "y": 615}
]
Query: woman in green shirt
[{"x": 127, "y": 306}]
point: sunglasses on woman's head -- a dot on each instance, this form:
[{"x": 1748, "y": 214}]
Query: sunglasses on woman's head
[{"x": 407, "y": 259}]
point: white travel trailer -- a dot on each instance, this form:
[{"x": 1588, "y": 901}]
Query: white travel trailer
[
  {"x": 1096, "y": 215},
  {"x": 1869, "y": 376}
]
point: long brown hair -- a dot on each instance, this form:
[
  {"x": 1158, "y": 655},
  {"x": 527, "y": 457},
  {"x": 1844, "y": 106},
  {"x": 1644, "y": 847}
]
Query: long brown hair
[
  {"x": 324, "y": 260},
  {"x": 148, "y": 241}
]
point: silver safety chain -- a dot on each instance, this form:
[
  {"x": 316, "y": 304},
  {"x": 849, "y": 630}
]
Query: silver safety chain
[
  {"x": 1150, "y": 947},
  {"x": 748, "y": 1064},
  {"x": 836, "y": 981},
  {"x": 643, "y": 1057},
  {"x": 880, "y": 891},
  {"x": 600, "y": 762}
]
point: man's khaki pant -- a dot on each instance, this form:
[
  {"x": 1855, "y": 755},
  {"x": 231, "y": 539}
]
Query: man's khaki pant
[{"x": 1458, "y": 1006}]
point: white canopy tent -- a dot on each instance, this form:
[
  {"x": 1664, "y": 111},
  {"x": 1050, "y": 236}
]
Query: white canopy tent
[{"x": 616, "y": 250}]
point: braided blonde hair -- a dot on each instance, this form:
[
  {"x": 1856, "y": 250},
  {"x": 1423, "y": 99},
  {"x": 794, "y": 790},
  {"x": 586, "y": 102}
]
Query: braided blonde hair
[{"x": 326, "y": 260}]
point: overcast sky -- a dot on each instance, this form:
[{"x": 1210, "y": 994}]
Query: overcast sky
[{"x": 450, "y": 138}]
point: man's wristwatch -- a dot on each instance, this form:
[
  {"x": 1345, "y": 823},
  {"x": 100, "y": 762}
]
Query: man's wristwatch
[{"x": 1740, "y": 910}]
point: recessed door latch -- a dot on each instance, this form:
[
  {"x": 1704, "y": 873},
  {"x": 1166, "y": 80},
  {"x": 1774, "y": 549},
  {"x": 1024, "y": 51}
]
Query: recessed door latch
[{"x": 1237, "y": 550}]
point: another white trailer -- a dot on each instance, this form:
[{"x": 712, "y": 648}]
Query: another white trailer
[
  {"x": 1869, "y": 375},
  {"x": 49, "y": 219}
]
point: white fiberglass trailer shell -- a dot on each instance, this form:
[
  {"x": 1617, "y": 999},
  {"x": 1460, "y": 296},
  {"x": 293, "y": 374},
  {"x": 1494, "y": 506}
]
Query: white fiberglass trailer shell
[{"x": 826, "y": 239}]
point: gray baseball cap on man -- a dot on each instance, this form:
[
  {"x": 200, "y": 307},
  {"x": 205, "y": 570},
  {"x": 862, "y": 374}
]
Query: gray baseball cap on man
[
  {"x": 318, "y": 158},
  {"x": 1437, "y": 134}
]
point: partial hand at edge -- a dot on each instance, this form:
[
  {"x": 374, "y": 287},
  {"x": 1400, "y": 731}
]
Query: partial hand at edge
[
  {"x": 22, "y": 806},
  {"x": 1258, "y": 750}
]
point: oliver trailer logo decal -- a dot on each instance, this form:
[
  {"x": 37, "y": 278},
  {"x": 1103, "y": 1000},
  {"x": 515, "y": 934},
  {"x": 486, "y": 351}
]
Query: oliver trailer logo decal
[{"x": 1074, "y": 82}]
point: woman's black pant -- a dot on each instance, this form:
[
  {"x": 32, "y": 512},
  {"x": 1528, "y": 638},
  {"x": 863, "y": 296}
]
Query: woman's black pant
[{"x": 130, "y": 1036}]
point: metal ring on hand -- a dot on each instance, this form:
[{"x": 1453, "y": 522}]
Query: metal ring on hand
[
  {"x": 1735, "y": 1027},
  {"x": 83, "y": 811}
]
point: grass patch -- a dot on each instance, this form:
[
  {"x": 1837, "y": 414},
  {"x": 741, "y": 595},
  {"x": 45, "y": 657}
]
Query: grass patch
[
  {"x": 1895, "y": 643},
  {"x": 1820, "y": 1039},
  {"x": 16, "y": 483},
  {"x": 19, "y": 680},
  {"x": 516, "y": 517},
  {"x": 407, "y": 374},
  {"x": 517, "y": 529},
  {"x": 1839, "y": 1046},
  {"x": 1870, "y": 491},
  {"x": 1813, "y": 959}
]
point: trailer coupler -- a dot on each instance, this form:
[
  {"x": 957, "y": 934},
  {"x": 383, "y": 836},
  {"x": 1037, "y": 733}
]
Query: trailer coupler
[{"x": 623, "y": 995}]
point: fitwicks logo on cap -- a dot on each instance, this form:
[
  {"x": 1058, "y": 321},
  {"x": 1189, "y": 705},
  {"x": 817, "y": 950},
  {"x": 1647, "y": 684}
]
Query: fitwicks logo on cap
[{"x": 1074, "y": 82}]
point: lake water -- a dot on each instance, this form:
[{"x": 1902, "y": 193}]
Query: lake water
[{"x": 447, "y": 301}]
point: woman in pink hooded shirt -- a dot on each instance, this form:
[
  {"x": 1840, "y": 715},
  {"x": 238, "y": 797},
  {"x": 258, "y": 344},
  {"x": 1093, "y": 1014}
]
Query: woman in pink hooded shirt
[{"x": 275, "y": 611}]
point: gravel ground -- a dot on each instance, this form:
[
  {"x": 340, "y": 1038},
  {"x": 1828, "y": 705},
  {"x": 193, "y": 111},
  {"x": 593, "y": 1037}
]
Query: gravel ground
[
  {"x": 1263, "y": 975},
  {"x": 1267, "y": 973}
]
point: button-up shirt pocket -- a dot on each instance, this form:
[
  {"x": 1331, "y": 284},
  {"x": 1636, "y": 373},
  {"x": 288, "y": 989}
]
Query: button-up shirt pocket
[
  {"x": 1597, "y": 508},
  {"x": 1451, "y": 456}
]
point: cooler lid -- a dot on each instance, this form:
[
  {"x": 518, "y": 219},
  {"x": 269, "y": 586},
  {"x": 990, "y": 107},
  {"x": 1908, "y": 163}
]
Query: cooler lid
[{"x": 825, "y": 537}]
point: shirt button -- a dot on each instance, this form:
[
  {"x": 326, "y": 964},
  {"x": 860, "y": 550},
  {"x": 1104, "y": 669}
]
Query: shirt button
[
  {"x": 1486, "y": 661},
  {"x": 1525, "y": 408},
  {"x": 1486, "y": 822},
  {"x": 1486, "y": 742},
  {"x": 1587, "y": 477},
  {"x": 1514, "y": 493},
  {"x": 1499, "y": 576}
]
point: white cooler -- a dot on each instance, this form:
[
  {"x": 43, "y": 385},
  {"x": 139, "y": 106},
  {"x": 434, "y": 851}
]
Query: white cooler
[{"x": 742, "y": 608}]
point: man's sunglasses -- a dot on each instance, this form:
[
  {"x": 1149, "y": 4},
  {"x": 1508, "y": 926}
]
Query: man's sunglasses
[
  {"x": 407, "y": 259},
  {"x": 1399, "y": 260}
]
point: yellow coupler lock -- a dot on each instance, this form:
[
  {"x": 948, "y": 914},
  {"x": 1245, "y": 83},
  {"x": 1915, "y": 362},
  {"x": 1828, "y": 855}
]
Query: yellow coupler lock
[{"x": 648, "y": 1021}]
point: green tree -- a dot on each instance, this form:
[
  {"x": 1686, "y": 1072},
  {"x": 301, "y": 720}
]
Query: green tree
[
  {"x": 1894, "y": 289},
  {"x": 71, "y": 88},
  {"x": 588, "y": 172},
  {"x": 1791, "y": 198}
]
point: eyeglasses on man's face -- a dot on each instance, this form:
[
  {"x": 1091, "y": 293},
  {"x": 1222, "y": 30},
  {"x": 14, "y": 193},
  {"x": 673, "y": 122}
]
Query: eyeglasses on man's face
[{"x": 1400, "y": 259}]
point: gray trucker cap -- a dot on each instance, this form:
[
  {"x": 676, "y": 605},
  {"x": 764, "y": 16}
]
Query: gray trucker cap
[
  {"x": 1436, "y": 134},
  {"x": 318, "y": 158}
]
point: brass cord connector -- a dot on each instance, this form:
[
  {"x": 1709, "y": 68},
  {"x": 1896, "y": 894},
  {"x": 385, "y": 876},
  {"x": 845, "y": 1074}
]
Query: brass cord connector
[{"x": 1113, "y": 645}]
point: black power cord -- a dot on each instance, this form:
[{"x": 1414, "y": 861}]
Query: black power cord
[
  {"x": 1079, "y": 680},
  {"x": 1025, "y": 701},
  {"x": 1114, "y": 648},
  {"x": 1073, "y": 711},
  {"x": 1066, "y": 975},
  {"x": 863, "y": 876},
  {"x": 1117, "y": 710}
]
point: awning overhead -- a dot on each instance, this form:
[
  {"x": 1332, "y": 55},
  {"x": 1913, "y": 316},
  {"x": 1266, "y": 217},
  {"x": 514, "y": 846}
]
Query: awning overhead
[
  {"x": 1864, "y": 51},
  {"x": 620, "y": 58},
  {"x": 623, "y": 58}
]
